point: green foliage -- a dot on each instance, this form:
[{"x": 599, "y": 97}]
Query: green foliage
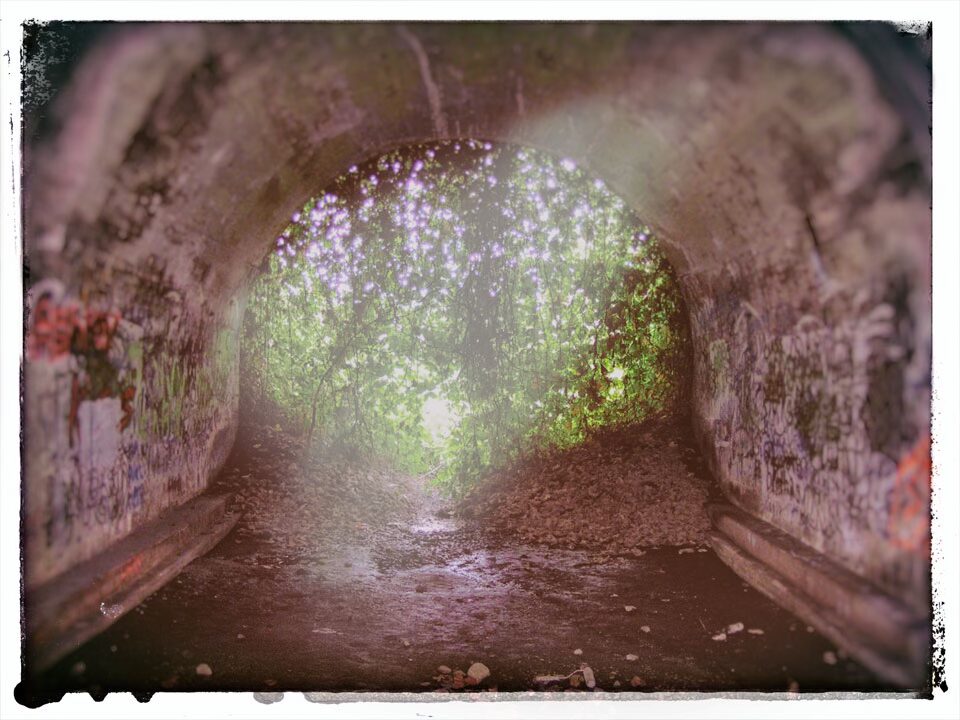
[{"x": 507, "y": 293}]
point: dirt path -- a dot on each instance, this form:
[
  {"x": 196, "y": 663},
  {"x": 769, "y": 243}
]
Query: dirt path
[{"x": 350, "y": 577}]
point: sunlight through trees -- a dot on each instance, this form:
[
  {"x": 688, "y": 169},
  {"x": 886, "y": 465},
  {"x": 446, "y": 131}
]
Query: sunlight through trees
[{"x": 451, "y": 305}]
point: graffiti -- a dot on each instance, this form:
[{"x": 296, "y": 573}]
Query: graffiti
[
  {"x": 130, "y": 568},
  {"x": 908, "y": 503},
  {"x": 85, "y": 336},
  {"x": 135, "y": 476},
  {"x": 60, "y": 329},
  {"x": 804, "y": 410},
  {"x": 124, "y": 418}
]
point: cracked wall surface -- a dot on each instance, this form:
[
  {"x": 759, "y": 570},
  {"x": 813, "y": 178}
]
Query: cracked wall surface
[{"x": 789, "y": 193}]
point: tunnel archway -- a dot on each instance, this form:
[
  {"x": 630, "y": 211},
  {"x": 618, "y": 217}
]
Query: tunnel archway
[
  {"x": 502, "y": 293},
  {"x": 787, "y": 189}
]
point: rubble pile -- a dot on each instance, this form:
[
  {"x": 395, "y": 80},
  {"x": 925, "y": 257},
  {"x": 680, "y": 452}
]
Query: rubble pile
[{"x": 624, "y": 489}]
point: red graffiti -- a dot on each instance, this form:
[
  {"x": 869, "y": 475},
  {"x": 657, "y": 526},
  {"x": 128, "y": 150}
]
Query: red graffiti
[
  {"x": 87, "y": 334},
  {"x": 126, "y": 404},
  {"x": 61, "y": 329},
  {"x": 908, "y": 518},
  {"x": 130, "y": 568}
]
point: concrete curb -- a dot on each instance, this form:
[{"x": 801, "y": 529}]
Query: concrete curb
[
  {"x": 886, "y": 635},
  {"x": 68, "y": 610}
]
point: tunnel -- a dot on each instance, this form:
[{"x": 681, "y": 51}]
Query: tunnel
[{"x": 784, "y": 169}]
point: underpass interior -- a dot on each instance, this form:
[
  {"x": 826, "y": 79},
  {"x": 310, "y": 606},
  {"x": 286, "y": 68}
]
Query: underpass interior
[{"x": 732, "y": 492}]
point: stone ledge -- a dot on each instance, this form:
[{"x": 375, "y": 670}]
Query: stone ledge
[
  {"x": 69, "y": 609},
  {"x": 883, "y": 633}
]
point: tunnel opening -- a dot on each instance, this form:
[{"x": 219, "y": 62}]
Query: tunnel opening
[{"x": 453, "y": 306}]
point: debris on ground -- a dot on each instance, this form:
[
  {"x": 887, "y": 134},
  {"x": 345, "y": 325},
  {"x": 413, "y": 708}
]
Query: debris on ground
[
  {"x": 588, "y": 676},
  {"x": 623, "y": 489},
  {"x": 583, "y": 675},
  {"x": 478, "y": 671},
  {"x": 523, "y": 609},
  {"x": 462, "y": 681},
  {"x": 203, "y": 670}
]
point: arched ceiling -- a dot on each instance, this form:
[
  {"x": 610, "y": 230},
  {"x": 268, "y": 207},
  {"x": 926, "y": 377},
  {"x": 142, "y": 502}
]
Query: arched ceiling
[{"x": 188, "y": 146}]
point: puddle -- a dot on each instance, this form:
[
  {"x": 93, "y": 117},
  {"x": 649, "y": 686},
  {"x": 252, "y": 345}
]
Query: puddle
[{"x": 434, "y": 526}]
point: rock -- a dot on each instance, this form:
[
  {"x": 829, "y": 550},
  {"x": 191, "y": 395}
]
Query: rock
[
  {"x": 755, "y": 631},
  {"x": 444, "y": 670},
  {"x": 830, "y": 658},
  {"x": 631, "y": 657},
  {"x": 616, "y": 683},
  {"x": 405, "y": 642},
  {"x": 635, "y": 681},
  {"x": 478, "y": 671},
  {"x": 734, "y": 628},
  {"x": 720, "y": 636},
  {"x": 588, "y": 676},
  {"x": 645, "y": 628},
  {"x": 240, "y": 636},
  {"x": 203, "y": 670},
  {"x": 79, "y": 668},
  {"x": 629, "y": 608},
  {"x": 578, "y": 651}
]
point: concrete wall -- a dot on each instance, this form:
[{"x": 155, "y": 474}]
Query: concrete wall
[
  {"x": 131, "y": 403},
  {"x": 793, "y": 200}
]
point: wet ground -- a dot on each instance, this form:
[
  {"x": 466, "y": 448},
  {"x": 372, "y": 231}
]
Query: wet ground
[{"x": 328, "y": 585}]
